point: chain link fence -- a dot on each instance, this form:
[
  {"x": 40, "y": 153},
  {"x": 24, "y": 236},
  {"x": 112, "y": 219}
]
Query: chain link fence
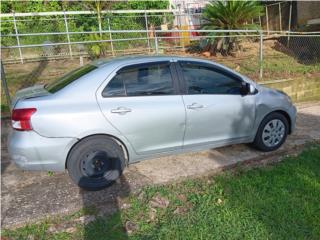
[
  {"x": 255, "y": 53},
  {"x": 73, "y": 34},
  {"x": 28, "y": 37},
  {"x": 74, "y": 39}
]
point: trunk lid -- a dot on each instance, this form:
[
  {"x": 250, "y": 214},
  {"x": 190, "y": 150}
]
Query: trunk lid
[{"x": 30, "y": 92}]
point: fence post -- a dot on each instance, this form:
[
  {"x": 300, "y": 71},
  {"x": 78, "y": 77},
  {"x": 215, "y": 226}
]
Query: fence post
[
  {"x": 280, "y": 17},
  {"x": 5, "y": 86},
  {"x": 156, "y": 42},
  {"x": 67, "y": 31},
  {"x": 99, "y": 24},
  {"x": 110, "y": 36},
  {"x": 289, "y": 26},
  {"x": 267, "y": 19},
  {"x": 17, "y": 36},
  {"x": 260, "y": 21},
  {"x": 146, "y": 22},
  {"x": 261, "y": 55}
]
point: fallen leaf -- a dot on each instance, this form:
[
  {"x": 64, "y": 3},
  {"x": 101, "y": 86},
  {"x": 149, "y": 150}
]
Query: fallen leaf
[
  {"x": 86, "y": 219},
  {"x": 152, "y": 214},
  {"x": 71, "y": 230},
  {"x": 125, "y": 206},
  {"x": 52, "y": 229},
  {"x": 130, "y": 227},
  {"x": 159, "y": 202},
  {"x": 206, "y": 54},
  {"x": 182, "y": 197},
  {"x": 180, "y": 210}
]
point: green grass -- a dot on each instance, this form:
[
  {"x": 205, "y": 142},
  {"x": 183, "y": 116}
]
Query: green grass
[
  {"x": 5, "y": 108},
  {"x": 275, "y": 67},
  {"x": 273, "y": 202}
]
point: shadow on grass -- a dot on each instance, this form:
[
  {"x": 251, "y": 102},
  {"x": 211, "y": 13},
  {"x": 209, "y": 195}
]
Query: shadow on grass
[
  {"x": 305, "y": 49},
  {"x": 5, "y": 128},
  {"x": 32, "y": 78},
  {"x": 106, "y": 202}
]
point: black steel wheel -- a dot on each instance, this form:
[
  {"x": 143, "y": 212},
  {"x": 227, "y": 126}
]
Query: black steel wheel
[{"x": 95, "y": 162}]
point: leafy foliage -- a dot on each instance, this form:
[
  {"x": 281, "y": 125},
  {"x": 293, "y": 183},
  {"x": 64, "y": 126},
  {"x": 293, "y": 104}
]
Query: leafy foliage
[
  {"x": 77, "y": 23},
  {"x": 229, "y": 15}
]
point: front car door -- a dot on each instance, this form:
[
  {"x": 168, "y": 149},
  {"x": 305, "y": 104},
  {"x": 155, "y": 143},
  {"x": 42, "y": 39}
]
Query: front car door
[
  {"x": 216, "y": 111},
  {"x": 143, "y": 103}
]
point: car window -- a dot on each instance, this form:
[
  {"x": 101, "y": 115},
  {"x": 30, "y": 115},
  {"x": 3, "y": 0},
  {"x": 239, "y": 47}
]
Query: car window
[
  {"x": 114, "y": 88},
  {"x": 142, "y": 80},
  {"x": 202, "y": 79},
  {"x": 69, "y": 78}
]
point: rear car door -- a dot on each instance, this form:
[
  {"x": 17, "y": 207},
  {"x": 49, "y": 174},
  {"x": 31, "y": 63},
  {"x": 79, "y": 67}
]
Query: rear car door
[
  {"x": 216, "y": 111},
  {"x": 143, "y": 103}
]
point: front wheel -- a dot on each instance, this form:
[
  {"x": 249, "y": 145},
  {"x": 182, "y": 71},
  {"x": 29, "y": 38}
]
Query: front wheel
[
  {"x": 95, "y": 162},
  {"x": 272, "y": 132}
]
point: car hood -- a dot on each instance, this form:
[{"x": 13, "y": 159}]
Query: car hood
[{"x": 30, "y": 92}]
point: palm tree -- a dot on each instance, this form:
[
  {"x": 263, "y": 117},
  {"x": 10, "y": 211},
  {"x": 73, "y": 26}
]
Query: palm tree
[{"x": 229, "y": 15}]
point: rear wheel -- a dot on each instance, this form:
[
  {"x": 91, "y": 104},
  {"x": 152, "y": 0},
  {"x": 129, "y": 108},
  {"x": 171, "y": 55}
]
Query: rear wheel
[
  {"x": 272, "y": 132},
  {"x": 95, "y": 162}
]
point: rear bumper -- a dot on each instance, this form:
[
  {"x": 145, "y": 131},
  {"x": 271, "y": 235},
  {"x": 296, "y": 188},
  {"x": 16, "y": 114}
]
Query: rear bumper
[{"x": 31, "y": 151}]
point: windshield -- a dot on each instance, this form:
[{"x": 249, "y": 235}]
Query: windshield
[{"x": 69, "y": 78}]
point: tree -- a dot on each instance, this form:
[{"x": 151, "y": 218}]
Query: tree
[
  {"x": 98, "y": 6},
  {"x": 229, "y": 15},
  {"x": 83, "y": 22}
]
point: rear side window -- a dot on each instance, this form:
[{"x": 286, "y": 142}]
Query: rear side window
[
  {"x": 203, "y": 79},
  {"x": 141, "y": 80},
  {"x": 69, "y": 78},
  {"x": 115, "y": 87}
]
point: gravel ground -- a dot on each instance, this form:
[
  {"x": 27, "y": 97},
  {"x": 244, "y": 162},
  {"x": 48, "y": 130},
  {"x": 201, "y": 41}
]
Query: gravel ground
[{"x": 30, "y": 196}]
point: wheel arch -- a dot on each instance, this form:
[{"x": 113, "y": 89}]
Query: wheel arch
[
  {"x": 282, "y": 112},
  {"x": 287, "y": 116},
  {"x": 117, "y": 140}
]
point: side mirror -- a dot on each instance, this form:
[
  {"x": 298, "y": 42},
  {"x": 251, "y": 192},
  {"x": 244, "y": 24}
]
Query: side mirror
[
  {"x": 245, "y": 88},
  {"x": 253, "y": 90}
]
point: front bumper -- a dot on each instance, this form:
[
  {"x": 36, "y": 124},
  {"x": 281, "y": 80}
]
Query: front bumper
[
  {"x": 293, "y": 117},
  {"x": 31, "y": 151}
]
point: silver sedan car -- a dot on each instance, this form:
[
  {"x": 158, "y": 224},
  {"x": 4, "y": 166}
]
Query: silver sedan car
[{"x": 97, "y": 119}]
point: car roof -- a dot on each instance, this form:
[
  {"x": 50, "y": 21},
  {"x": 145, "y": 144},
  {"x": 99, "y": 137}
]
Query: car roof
[{"x": 132, "y": 59}]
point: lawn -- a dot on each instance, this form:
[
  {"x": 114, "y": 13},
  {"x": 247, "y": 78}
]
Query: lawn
[{"x": 279, "y": 201}]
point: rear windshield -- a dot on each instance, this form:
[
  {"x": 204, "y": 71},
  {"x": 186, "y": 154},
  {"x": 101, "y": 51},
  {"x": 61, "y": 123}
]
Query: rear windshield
[{"x": 69, "y": 78}]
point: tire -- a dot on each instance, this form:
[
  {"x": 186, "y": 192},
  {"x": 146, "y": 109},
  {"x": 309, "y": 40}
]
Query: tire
[
  {"x": 261, "y": 141},
  {"x": 95, "y": 162}
]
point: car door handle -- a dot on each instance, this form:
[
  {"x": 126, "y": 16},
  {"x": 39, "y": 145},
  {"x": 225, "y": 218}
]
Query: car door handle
[
  {"x": 194, "y": 106},
  {"x": 121, "y": 110}
]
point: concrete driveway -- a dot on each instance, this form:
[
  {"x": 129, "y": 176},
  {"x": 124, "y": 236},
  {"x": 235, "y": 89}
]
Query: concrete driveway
[{"x": 30, "y": 196}]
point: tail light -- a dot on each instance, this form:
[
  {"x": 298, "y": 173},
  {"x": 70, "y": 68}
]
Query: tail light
[{"x": 21, "y": 118}]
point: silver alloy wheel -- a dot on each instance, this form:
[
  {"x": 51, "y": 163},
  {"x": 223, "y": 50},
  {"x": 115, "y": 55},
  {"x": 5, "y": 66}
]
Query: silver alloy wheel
[{"x": 273, "y": 133}]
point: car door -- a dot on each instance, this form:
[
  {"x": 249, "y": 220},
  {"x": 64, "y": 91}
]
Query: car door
[
  {"x": 216, "y": 111},
  {"x": 143, "y": 103}
]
